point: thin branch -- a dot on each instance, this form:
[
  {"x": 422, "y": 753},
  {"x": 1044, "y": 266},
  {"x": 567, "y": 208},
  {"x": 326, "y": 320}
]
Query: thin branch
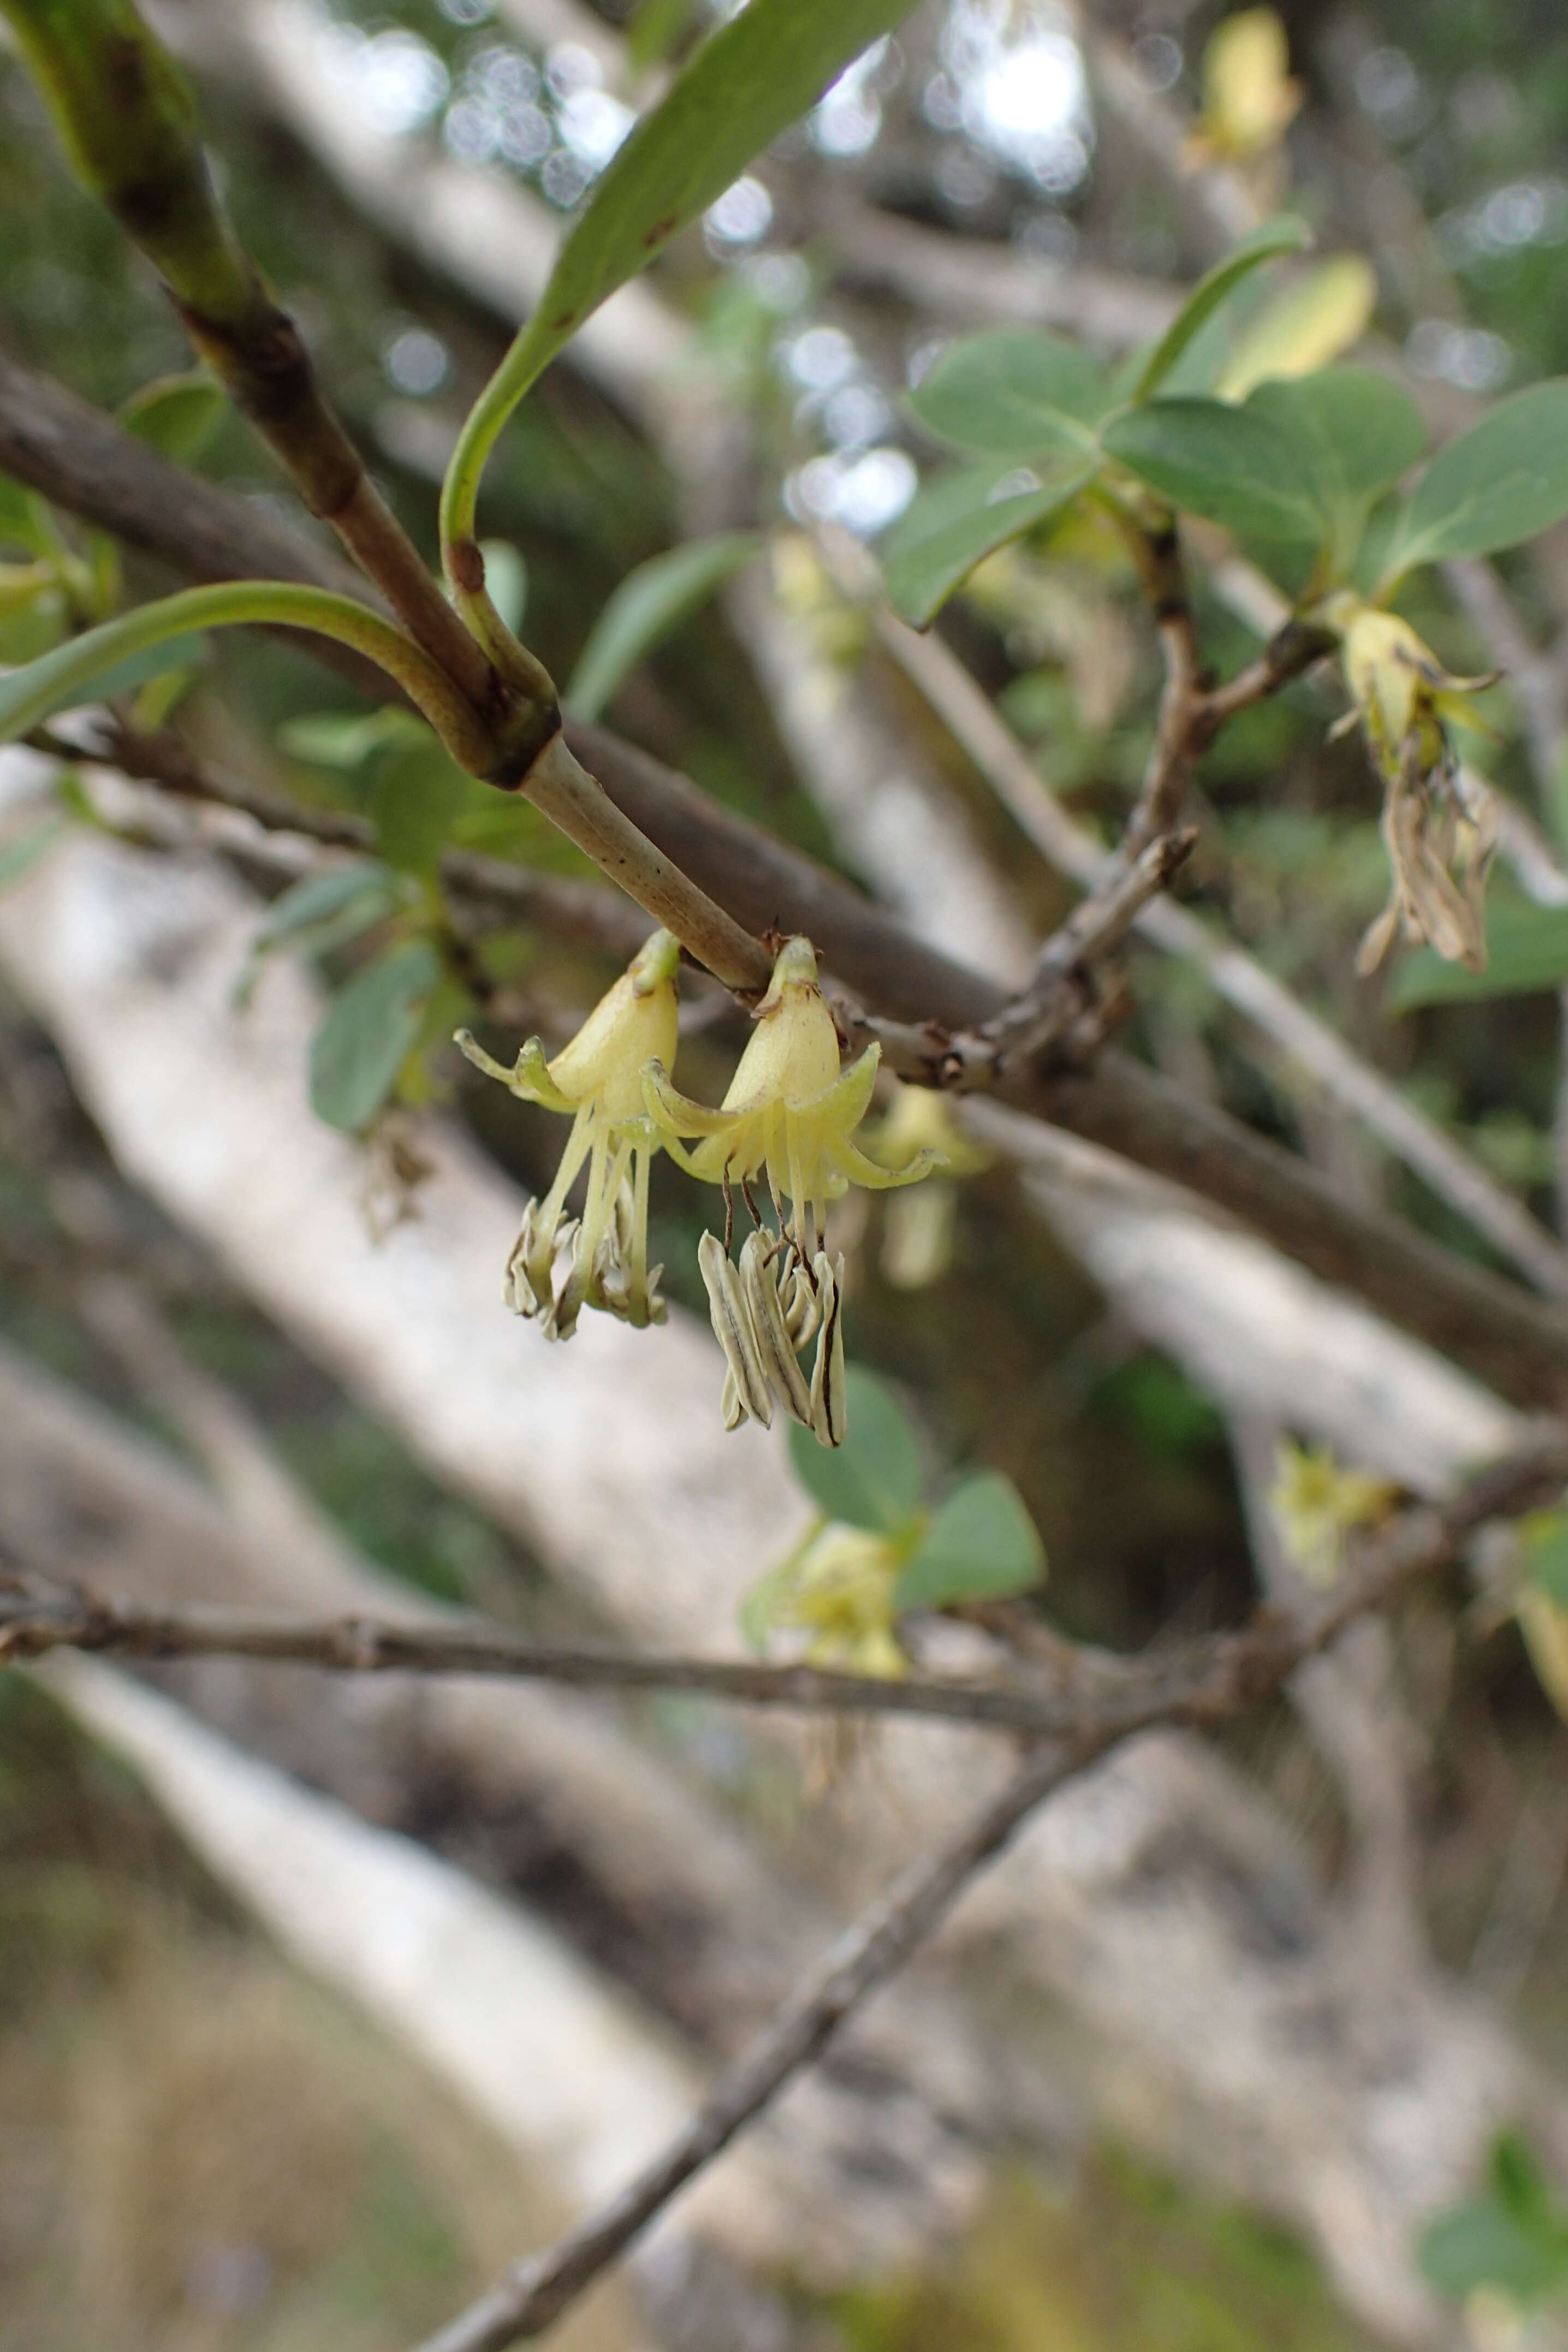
[
  {"x": 536, "y": 2291},
  {"x": 1090, "y": 1693}
]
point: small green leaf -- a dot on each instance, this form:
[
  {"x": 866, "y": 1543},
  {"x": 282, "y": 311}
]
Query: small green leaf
[
  {"x": 1364, "y": 430},
  {"x": 417, "y": 793},
  {"x": 747, "y": 82},
  {"x": 25, "y": 519},
  {"x": 1544, "y": 1556},
  {"x": 1503, "y": 481},
  {"x": 1285, "y": 235},
  {"x": 335, "y": 739},
  {"x": 982, "y": 1545},
  {"x": 1013, "y": 393},
  {"x": 1232, "y": 466},
  {"x": 177, "y": 415},
  {"x": 873, "y": 1479},
  {"x": 19, "y": 856},
  {"x": 369, "y": 1030},
  {"x": 956, "y": 521},
  {"x": 325, "y": 910},
  {"x": 654, "y": 29},
  {"x": 1527, "y": 951},
  {"x": 1515, "y": 2238},
  {"x": 650, "y": 602}
]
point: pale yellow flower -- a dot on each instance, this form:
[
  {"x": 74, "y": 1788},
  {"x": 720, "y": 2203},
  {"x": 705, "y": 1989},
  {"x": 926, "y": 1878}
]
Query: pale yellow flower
[
  {"x": 1439, "y": 823},
  {"x": 790, "y": 1113},
  {"x": 559, "y": 1265},
  {"x": 1316, "y": 1505},
  {"x": 837, "y": 1589}
]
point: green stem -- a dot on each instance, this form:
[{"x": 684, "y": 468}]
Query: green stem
[{"x": 66, "y": 675}]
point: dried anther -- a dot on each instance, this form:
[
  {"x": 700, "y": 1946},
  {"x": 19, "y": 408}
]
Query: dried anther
[
  {"x": 790, "y": 1112},
  {"x": 1439, "y": 823},
  {"x": 559, "y": 1265}
]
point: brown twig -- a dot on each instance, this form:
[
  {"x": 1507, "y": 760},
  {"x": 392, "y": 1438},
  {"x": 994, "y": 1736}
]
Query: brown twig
[
  {"x": 537, "y": 2291},
  {"x": 1089, "y": 1693}
]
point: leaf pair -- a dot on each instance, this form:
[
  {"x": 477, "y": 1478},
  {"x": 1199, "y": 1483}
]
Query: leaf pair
[{"x": 978, "y": 1544}]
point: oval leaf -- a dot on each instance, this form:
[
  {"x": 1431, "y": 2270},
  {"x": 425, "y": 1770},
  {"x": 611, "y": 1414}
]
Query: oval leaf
[
  {"x": 1363, "y": 431},
  {"x": 1503, "y": 481},
  {"x": 1232, "y": 466},
  {"x": 1012, "y": 393},
  {"x": 873, "y": 1479},
  {"x": 325, "y": 910},
  {"x": 1285, "y": 235},
  {"x": 955, "y": 522},
  {"x": 650, "y": 602},
  {"x": 980, "y": 1546},
  {"x": 369, "y": 1030}
]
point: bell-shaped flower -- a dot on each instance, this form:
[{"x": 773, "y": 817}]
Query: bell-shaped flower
[
  {"x": 1439, "y": 823},
  {"x": 790, "y": 1113},
  {"x": 560, "y": 1264},
  {"x": 1318, "y": 1505},
  {"x": 1250, "y": 98},
  {"x": 836, "y": 1586}
]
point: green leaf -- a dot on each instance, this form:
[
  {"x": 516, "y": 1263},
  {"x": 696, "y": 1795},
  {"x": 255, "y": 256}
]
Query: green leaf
[
  {"x": 1527, "y": 951},
  {"x": 19, "y": 856},
  {"x": 748, "y": 81},
  {"x": 178, "y": 415},
  {"x": 1515, "y": 2238},
  {"x": 417, "y": 793},
  {"x": 25, "y": 519},
  {"x": 325, "y": 910},
  {"x": 1503, "y": 481},
  {"x": 1284, "y": 235},
  {"x": 369, "y": 1030},
  {"x": 335, "y": 739},
  {"x": 980, "y": 1546},
  {"x": 1013, "y": 393},
  {"x": 1363, "y": 430},
  {"x": 873, "y": 1479},
  {"x": 650, "y": 602},
  {"x": 1232, "y": 466},
  {"x": 1545, "y": 1552},
  {"x": 654, "y": 29},
  {"x": 955, "y": 522}
]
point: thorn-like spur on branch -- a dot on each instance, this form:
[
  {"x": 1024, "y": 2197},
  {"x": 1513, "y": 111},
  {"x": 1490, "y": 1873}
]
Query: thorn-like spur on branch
[
  {"x": 1517, "y": 1343},
  {"x": 537, "y": 2291}
]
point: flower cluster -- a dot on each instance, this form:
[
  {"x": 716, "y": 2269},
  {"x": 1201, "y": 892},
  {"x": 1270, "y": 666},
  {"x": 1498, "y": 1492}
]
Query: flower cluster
[
  {"x": 790, "y": 1114},
  {"x": 1439, "y": 823}
]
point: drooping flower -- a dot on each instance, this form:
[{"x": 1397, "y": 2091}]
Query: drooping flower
[
  {"x": 790, "y": 1113},
  {"x": 1316, "y": 1503},
  {"x": 1439, "y": 821},
  {"x": 836, "y": 1586},
  {"x": 919, "y": 1228},
  {"x": 560, "y": 1264}
]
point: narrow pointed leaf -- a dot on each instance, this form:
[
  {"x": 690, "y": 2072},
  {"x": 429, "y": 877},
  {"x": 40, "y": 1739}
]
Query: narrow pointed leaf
[
  {"x": 650, "y": 602},
  {"x": 369, "y": 1030},
  {"x": 957, "y": 520},
  {"x": 1285, "y": 235}
]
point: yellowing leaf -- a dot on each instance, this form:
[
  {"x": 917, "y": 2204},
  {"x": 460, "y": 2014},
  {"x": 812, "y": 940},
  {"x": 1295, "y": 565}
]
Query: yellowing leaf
[
  {"x": 1544, "y": 1625},
  {"x": 1308, "y": 326}
]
